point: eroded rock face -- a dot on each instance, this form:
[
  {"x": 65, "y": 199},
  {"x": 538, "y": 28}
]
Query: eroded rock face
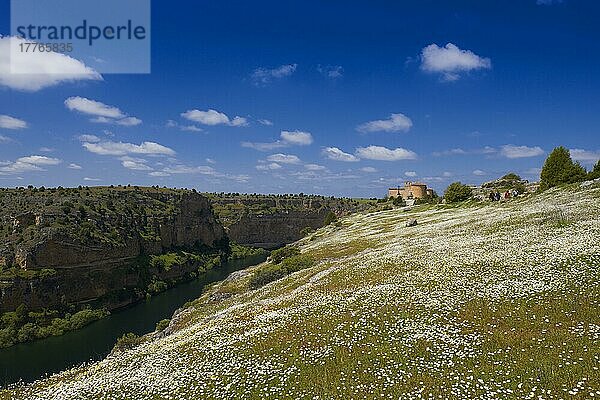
[
  {"x": 274, "y": 230},
  {"x": 67, "y": 268},
  {"x": 190, "y": 224}
]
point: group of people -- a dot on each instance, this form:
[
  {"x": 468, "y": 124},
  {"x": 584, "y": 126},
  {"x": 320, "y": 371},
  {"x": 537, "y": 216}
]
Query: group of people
[{"x": 496, "y": 196}]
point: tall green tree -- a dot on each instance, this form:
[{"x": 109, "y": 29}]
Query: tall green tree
[
  {"x": 457, "y": 192},
  {"x": 595, "y": 173},
  {"x": 559, "y": 169}
]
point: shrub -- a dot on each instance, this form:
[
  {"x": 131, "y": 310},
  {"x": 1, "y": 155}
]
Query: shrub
[
  {"x": 306, "y": 231},
  {"x": 457, "y": 192},
  {"x": 127, "y": 341},
  {"x": 559, "y": 169},
  {"x": 329, "y": 218},
  {"x": 85, "y": 317},
  {"x": 595, "y": 173},
  {"x": 273, "y": 272},
  {"x": 157, "y": 287},
  {"x": 398, "y": 201},
  {"x": 162, "y": 324},
  {"x": 279, "y": 255}
]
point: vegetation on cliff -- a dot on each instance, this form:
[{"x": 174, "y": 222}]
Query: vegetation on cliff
[{"x": 496, "y": 300}]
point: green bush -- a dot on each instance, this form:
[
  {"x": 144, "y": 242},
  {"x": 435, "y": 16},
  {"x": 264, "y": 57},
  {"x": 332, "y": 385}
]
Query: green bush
[
  {"x": 162, "y": 324},
  {"x": 273, "y": 272},
  {"x": 277, "y": 256},
  {"x": 595, "y": 173},
  {"x": 457, "y": 192},
  {"x": 85, "y": 317},
  {"x": 329, "y": 218},
  {"x": 156, "y": 287},
  {"x": 559, "y": 169},
  {"x": 127, "y": 341}
]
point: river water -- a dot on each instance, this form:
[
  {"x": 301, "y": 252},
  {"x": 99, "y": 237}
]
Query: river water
[{"x": 31, "y": 361}]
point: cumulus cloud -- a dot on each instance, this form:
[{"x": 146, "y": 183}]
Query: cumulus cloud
[
  {"x": 8, "y": 122},
  {"x": 331, "y": 71},
  {"x": 38, "y": 70},
  {"x": 268, "y": 167},
  {"x": 288, "y": 138},
  {"x": 74, "y": 166},
  {"x": 101, "y": 112},
  {"x": 88, "y": 138},
  {"x": 450, "y": 61},
  {"x": 136, "y": 164},
  {"x": 29, "y": 163},
  {"x": 109, "y": 148},
  {"x": 410, "y": 174},
  {"x": 510, "y": 151},
  {"x": 297, "y": 138},
  {"x": 395, "y": 123},
  {"x": 479, "y": 172},
  {"x": 189, "y": 128},
  {"x": 213, "y": 117},
  {"x": 264, "y": 76},
  {"x": 333, "y": 153},
  {"x": 314, "y": 167},
  {"x": 369, "y": 169},
  {"x": 384, "y": 154},
  {"x": 265, "y": 122},
  {"x": 585, "y": 155},
  {"x": 284, "y": 158}
]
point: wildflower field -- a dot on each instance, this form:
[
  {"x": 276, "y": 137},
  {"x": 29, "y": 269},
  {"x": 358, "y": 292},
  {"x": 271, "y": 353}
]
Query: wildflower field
[{"x": 486, "y": 301}]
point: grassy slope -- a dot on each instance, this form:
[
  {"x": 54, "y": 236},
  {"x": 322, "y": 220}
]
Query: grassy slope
[{"x": 496, "y": 301}]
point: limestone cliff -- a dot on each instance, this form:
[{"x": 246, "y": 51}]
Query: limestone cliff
[{"x": 86, "y": 245}]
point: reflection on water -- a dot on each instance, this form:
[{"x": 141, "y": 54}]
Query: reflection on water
[{"x": 30, "y": 361}]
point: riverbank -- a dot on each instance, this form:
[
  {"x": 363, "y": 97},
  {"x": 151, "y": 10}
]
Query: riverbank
[{"x": 33, "y": 360}]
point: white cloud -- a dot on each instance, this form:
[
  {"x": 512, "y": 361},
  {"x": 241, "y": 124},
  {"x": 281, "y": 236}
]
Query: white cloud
[
  {"x": 183, "y": 169},
  {"x": 510, "y": 151},
  {"x": 395, "y": 123},
  {"x": 264, "y": 76},
  {"x": 450, "y": 61},
  {"x": 369, "y": 169},
  {"x": 74, "y": 166},
  {"x": 479, "y": 172},
  {"x": 92, "y": 107},
  {"x": 284, "y": 158},
  {"x": 410, "y": 174},
  {"x": 103, "y": 113},
  {"x": 447, "y": 174},
  {"x": 268, "y": 167},
  {"x": 136, "y": 164},
  {"x": 8, "y": 122},
  {"x": 288, "y": 138},
  {"x": 88, "y": 138},
  {"x": 37, "y": 70},
  {"x": 46, "y": 149},
  {"x": 265, "y": 122},
  {"x": 213, "y": 117},
  {"x": 384, "y": 154},
  {"x": 159, "y": 174},
  {"x": 88, "y": 179},
  {"x": 451, "y": 152},
  {"x": 333, "y": 153},
  {"x": 297, "y": 138},
  {"x": 585, "y": 155},
  {"x": 189, "y": 128},
  {"x": 121, "y": 149},
  {"x": 331, "y": 71},
  {"x": 29, "y": 163},
  {"x": 314, "y": 167}
]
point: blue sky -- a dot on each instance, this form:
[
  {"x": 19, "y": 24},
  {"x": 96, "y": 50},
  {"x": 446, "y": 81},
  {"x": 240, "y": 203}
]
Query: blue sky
[{"x": 337, "y": 98}]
